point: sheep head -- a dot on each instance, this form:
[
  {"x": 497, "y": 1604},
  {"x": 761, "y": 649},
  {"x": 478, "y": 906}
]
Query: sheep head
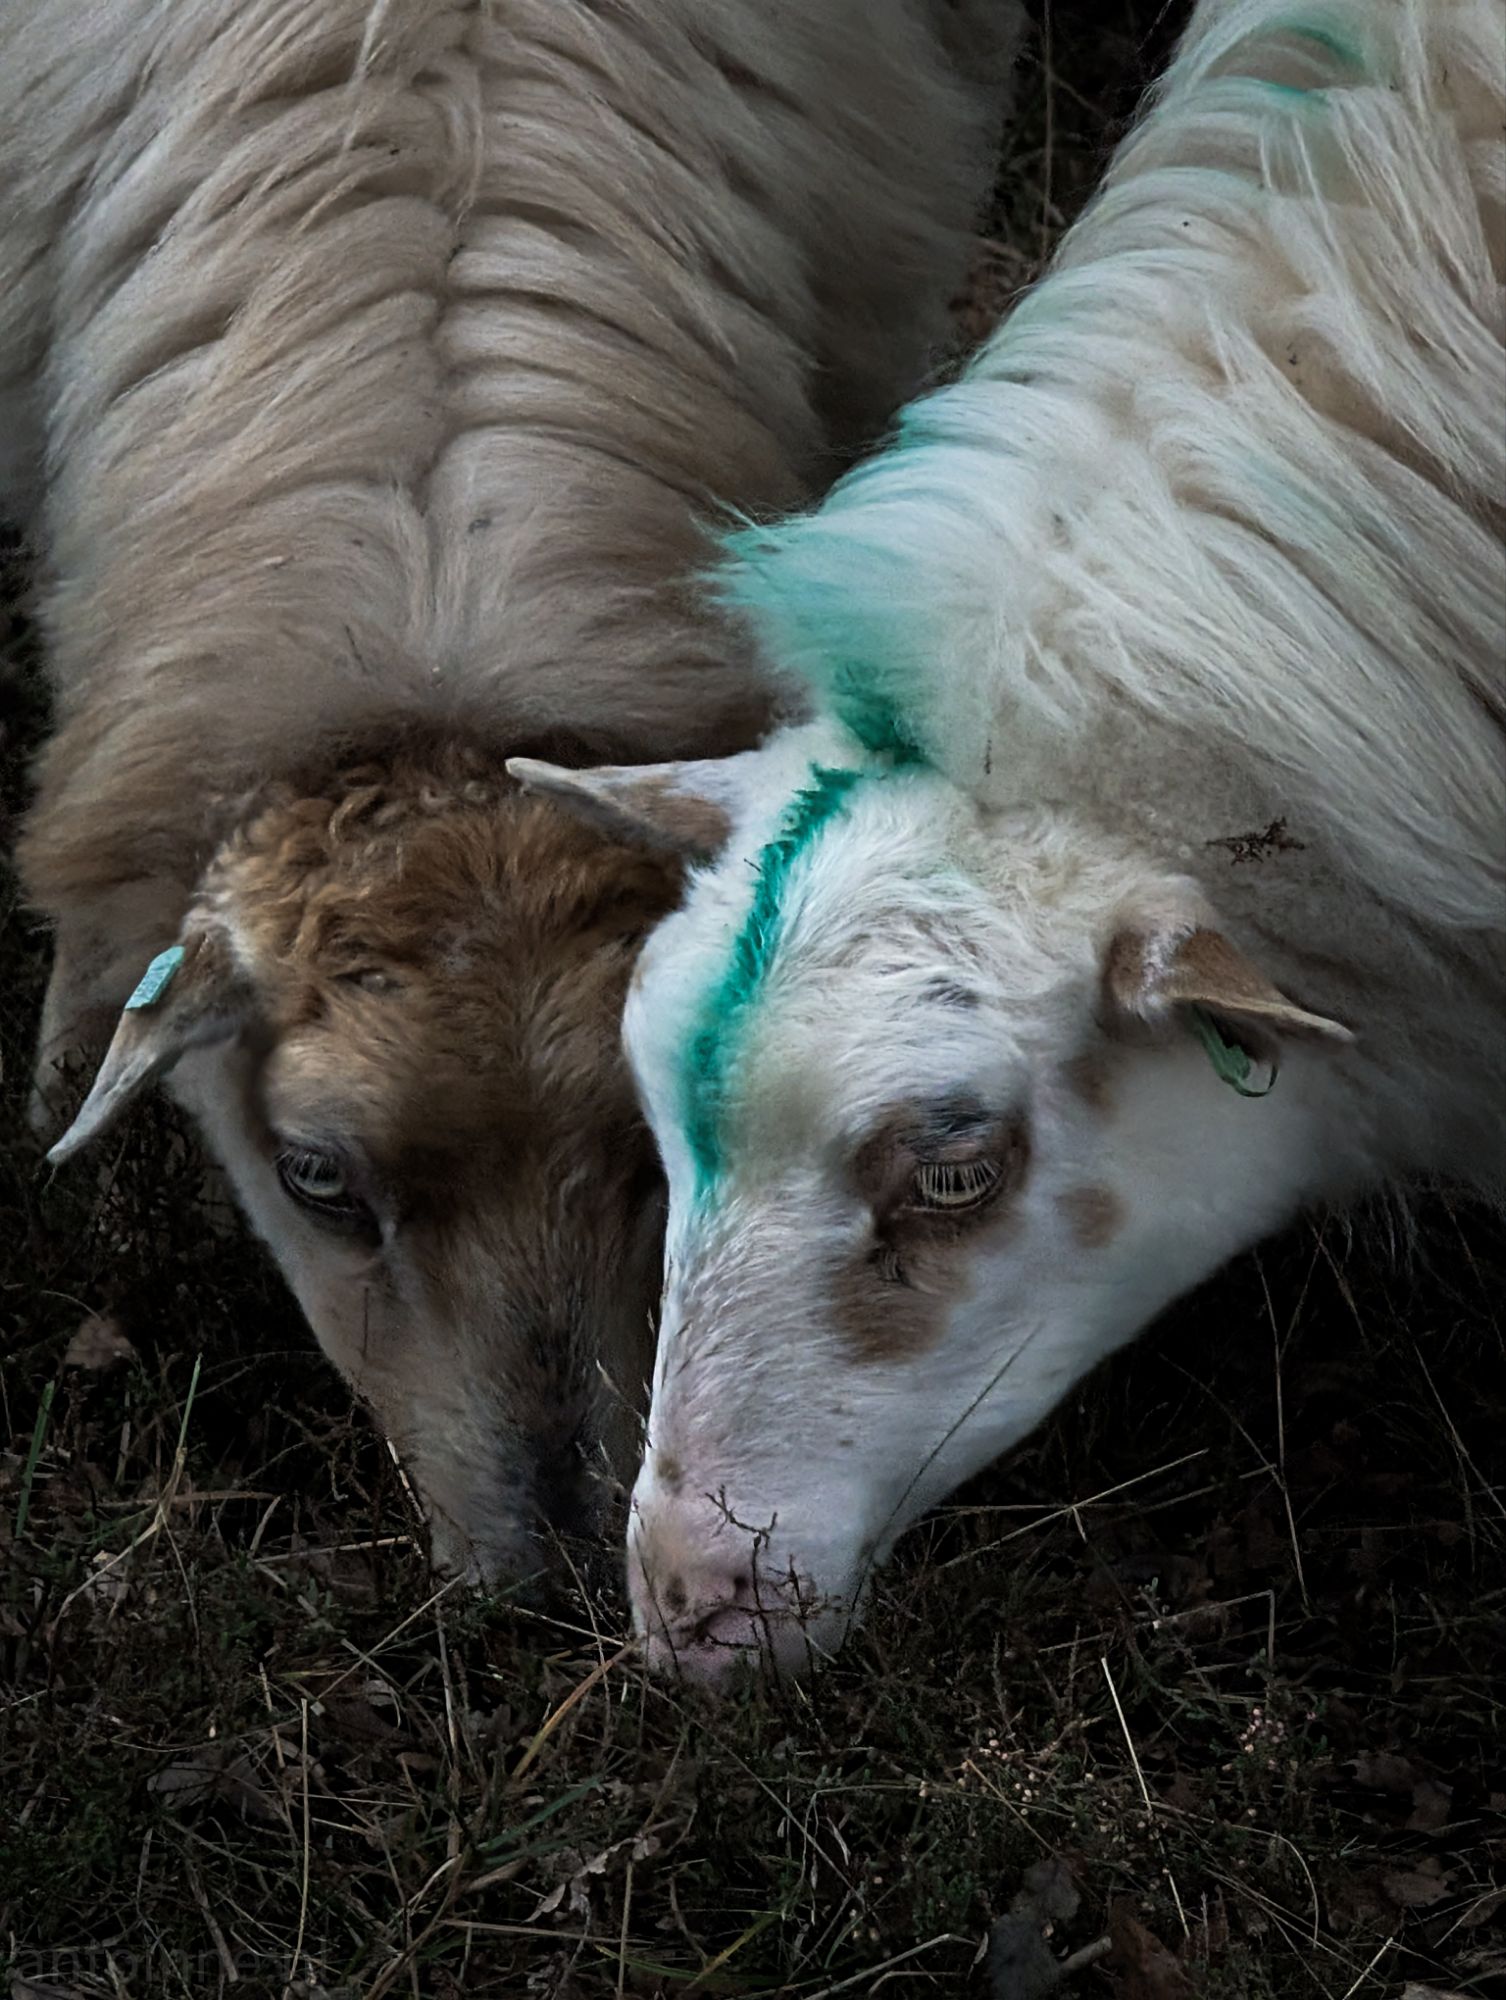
[
  {"x": 393, "y": 1008},
  {"x": 944, "y": 1101}
]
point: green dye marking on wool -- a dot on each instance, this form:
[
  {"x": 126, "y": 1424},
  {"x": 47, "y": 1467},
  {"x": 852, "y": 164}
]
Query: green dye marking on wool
[
  {"x": 811, "y": 622},
  {"x": 709, "y": 1056},
  {"x": 1325, "y": 38},
  {"x": 1307, "y": 92},
  {"x": 873, "y": 720}
]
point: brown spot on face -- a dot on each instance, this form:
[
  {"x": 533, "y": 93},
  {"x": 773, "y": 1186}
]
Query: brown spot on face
[
  {"x": 669, "y": 1472},
  {"x": 1093, "y": 1214},
  {"x": 1088, "y": 1078},
  {"x": 892, "y": 1301},
  {"x": 883, "y": 1312}
]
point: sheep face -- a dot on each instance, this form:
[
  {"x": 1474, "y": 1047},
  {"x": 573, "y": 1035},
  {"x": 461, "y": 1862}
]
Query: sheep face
[
  {"x": 397, "y": 1024},
  {"x": 939, "y": 1133}
]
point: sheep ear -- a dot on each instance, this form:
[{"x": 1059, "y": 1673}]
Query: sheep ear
[
  {"x": 190, "y": 995},
  {"x": 1149, "y": 972},
  {"x": 682, "y": 809}
]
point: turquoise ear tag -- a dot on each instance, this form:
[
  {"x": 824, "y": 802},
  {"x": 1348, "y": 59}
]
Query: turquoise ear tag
[
  {"x": 155, "y": 981},
  {"x": 1230, "y": 1062}
]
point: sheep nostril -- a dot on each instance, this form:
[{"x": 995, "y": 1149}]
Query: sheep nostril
[
  {"x": 737, "y": 1607},
  {"x": 676, "y": 1597}
]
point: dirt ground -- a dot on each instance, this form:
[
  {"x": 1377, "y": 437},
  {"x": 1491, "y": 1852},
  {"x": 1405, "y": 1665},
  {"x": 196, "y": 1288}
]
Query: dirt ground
[{"x": 1200, "y": 1694}]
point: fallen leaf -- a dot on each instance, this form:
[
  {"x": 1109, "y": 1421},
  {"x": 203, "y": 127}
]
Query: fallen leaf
[
  {"x": 1384, "y": 1771},
  {"x": 1416, "y": 1888},
  {"x": 216, "y": 1772},
  {"x": 1387, "y": 1771},
  {"x": 108, "y": 1582},
  {"x": 1481, "y": 1964},
  {"x": 1412, "y": 1991},
  {"x": 1431, "y": 1804},
  {"x": 576, "y": 1871},
  {"x": 547, "y": 1905},
  {"x": 28, "y": 1989},
  {"x": 98, "y": 1345},
  {"x": 354, "y": 1717},
  {"x": 1142, "y": 1968},
  {"x": 1356, "y": 1899}
]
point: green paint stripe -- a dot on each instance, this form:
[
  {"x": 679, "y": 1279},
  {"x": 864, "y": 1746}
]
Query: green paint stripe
[{"x": 709, "y": 1055}]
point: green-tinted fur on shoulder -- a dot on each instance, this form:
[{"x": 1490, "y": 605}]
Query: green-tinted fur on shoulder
[
  {"x": 1337, "y": 47},
  {"x": 709, "y": 1055},
  {"x": 846, "y": 685},
  {"x": 874, "y": 721}
]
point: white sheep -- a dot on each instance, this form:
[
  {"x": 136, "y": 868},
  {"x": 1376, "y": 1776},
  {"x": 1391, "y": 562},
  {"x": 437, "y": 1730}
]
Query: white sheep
[
  {"x": 1145, "y": 877},
  {"x": 368, "y": 372}
]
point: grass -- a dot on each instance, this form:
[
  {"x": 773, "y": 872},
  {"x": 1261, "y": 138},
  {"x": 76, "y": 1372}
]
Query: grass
[{"x": 1224, "y": 1640}]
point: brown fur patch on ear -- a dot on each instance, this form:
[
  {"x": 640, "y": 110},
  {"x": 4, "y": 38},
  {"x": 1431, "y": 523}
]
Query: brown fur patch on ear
[
  {"x": 701, "y": 827},
  {"x": 1126, "y": 979},
  {"x": 1093, "y": 1214},
  {"x": 1206, "y": 967},
  {"x": 1145, "y": 972}
]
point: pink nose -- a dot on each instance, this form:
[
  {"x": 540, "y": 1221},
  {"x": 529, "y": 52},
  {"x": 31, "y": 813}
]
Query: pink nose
[{"x": 704, "y": 1617}]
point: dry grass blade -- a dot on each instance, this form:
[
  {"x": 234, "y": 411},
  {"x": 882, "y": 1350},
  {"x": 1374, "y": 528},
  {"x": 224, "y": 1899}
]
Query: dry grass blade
[{"x": 557, "y": 1714}]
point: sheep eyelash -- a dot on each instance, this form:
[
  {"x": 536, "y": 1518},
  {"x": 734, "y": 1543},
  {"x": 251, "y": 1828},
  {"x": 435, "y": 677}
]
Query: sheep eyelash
[{"x": 953, "y": 1187}]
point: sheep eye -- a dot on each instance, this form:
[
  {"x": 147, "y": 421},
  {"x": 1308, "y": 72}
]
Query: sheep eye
[
  {"x": 317, "y": 1181},
  {"x": 953, "y": 1186}
]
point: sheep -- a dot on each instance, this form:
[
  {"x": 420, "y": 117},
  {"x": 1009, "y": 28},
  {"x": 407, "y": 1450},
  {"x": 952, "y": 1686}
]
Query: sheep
[
  {"x": 1141, "y": 878},
  {"x": 369, "y": 374}
]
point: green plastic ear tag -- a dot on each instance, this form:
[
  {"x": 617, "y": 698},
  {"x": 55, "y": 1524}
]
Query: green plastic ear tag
[
  {"x": 155, "y": 981},
  {"x": 1230, "y": 1062}
]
